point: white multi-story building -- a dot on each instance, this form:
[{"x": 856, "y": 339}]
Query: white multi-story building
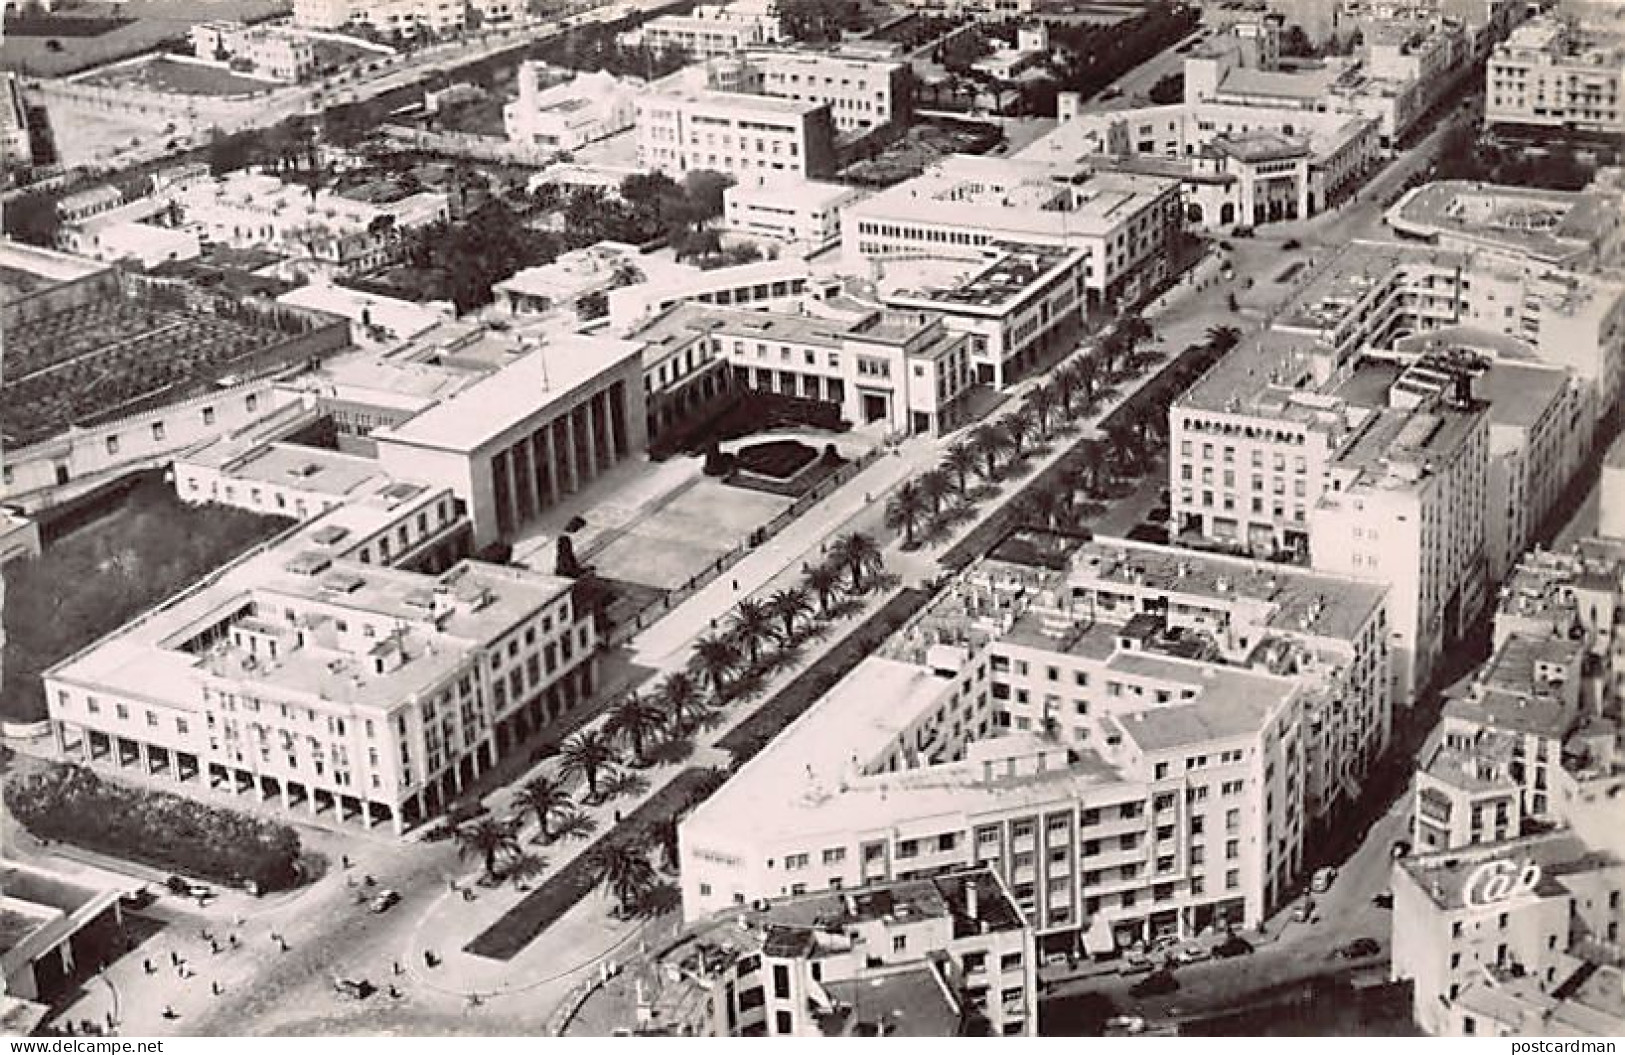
[
  {"x": 266, "y": 51},
  {"x": 1556, "y": 73},
  {"x": 1405, "y": 502},
  {"x": 568, "y": 115},
  {"x": 1020, "y": 304},
  {"x": 405, "y": 18},
  {"x": 1066, "y": 716},
  {"x": 863, "y": 94},
  {"x": 805, "y": 213},
  {"x": 683, "y": 128},
  {"x": 1516, "y": 938},
  {"x": 319, "y": 672},
  {"x": 711, "y": 31},
  {"x": 902, "y": 369},
  {"x": 1125, "y": 224},
  {"x": 930, "y": 957}
]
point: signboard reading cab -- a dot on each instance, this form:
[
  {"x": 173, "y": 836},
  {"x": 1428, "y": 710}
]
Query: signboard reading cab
[{"x": 1493, "y": 884}]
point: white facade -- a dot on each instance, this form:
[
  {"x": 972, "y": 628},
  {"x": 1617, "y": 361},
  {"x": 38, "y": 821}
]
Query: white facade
[
  {"x": 863, "y": 94},
  {"x": 790, "y": 210},
  {"x": 1555, "y": 73},
  {"x": 681, "y": 129},
  {"x": 1123, "y": 223},
  {"x": 1121, "y": 792},
  {"x": 405, "y": 17},
  {"x": 569, "y": 115},
  {"x": 711, "y": 31}
]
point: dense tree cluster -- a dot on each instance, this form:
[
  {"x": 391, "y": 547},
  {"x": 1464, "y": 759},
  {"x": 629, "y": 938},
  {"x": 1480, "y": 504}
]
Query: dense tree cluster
[{"x": 817, "y": 21}]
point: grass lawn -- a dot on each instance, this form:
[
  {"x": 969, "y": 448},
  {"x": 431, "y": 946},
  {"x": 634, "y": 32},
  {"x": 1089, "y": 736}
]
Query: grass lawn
[
  {"x": 744, "y": 740},
  {"x": 147, "y": 547},
  {"x": 142, "y": 26},
  {"x": 779, "y": 459},
  {"x": 518, "y": 927},
  {"x": 179, "y": 78}
]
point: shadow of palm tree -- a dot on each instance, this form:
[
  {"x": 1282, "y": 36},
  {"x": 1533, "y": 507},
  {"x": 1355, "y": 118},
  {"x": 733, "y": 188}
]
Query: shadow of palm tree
[
  {"x": 658, "y": 900},
  {"x": 669, "y": 751},
  {"x": 523, "y": 869},
  {"x": 624, "y": 783},
  {"x": 813, "y": 633}
]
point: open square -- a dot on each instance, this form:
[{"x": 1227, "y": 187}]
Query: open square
[{"x": 686, "y": 534}]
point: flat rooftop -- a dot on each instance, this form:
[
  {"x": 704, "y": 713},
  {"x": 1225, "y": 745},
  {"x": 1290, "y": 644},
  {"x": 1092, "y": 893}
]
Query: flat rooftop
[
  {"x": 1443, "y": 876},
  {"x": 1389, "y": 437},
  {"x": 1347, "y": 278},
  {"x": 1230, "y": 702},
  {"x": 485, "y": 410},
  {"x": 1269, "y": 374},
  {"x": 309, "y": 468},
  {"x": 1548, "y": 224},
  {"x": 908, "y": 1003},
  {"x": 1033, "y": 197},
  {"x": 1297, "y": 600},
  {"x": 1015, "y": 271}
]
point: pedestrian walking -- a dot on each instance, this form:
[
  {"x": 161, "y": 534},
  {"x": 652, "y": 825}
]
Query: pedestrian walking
[
  {"x": 169, "y": 1012},
  {"x": 214, "y": 947},
  {"x": 396, "y": 968},
  {"x": 345, "y": 858},
  {"x": 231, "y": 939},
  {"x": 146, "y": 965},
  {"x": 215, "y": 988},
  {"x": 174, "y": 958},
  {"x": 617, "y": 816}
]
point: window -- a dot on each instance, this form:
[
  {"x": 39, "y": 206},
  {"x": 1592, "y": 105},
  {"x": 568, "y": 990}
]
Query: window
[
  {"x": 899, "y": 942},
  {"x": 792, "y": 862},
  {"x": 835, "y": 855}
]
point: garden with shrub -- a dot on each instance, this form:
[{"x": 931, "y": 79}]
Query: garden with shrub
[{"x": 71, "y": 804}]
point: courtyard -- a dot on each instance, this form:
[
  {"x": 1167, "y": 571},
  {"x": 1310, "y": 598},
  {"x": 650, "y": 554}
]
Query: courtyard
[{"x": 178, "y": 78}]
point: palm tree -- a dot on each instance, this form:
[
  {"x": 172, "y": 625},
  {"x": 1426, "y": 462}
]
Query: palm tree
[
  {"x": 961, "y": 460},
  {"x": 487, "y": 838},
  {"x": 635, "y": 718},
  {"x": 1042, "y": 507},
  {"x": 989, "y": 441},
  {"x": 575, "y": 825},
  {"x": 935, "y": 487},
  {"x": 1068, "y": 381},
  {"x": 751, "y": 625},
  {"x": 905, "y": 510},
  {"x": 625, "y": 872},
  {"x": 1042, "y": 401},
  {"x": 1020, "y": 425},
  {"x": 587, "y": 755},
  {"x": 858, "y": 553},
  {"x": 1135, "y": 329},
  {"x": 664, "y": 835},
  {"x": 715, "y": 657},
  {"x": 823, "y": 580},
  {"x": 788, "y": 606},
  {"x": 1223, "y": 338},
  {"x": 680, "y": 699},
  {"x": 1122, "y": 450},
  {"x": 546, "y": 798},
  {"x": 1087, "y": 459}
]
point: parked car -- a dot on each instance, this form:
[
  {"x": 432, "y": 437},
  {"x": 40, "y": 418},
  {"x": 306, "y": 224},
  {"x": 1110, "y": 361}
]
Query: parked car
[
  {"x": 1233, "y": 946},
  {"x": 1157, "y": 983},
  {"x": 1322, "y": 879},
  {"x": 1136, "y": 963},
  {"x": 385, "y": 900},
  {"x": 186, "y": 888},
  {"x": 353, "y": 988},
  {"x": 1305, "y": 910},
  {"x": 137, "y": 899},
  {"x": 1360, "y": 949},
  {"x": 1192, "y": 954},
  {"x": 1383, "y": 899},
  {"x": 1401, "y": 849}
]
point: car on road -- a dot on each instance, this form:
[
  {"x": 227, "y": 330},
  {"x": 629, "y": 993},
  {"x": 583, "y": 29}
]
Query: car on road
[
  {"x": 186, "y": 888},
  {"x": 1321, "y": 881},
  {"x": 353, "y": 988},
  {"x": 385, "y": 900},
  {"x": 1305, "y": 910},
  {"x": 1157, "y": 983},
  {"x": 1190, "y": 954},
  {"x": 137, "y": 899},
  {"x": 1383, "y": 899},
  {"x": 1158, "y": 515},
  {"x": 1231, "y": 947},
  {"x": 1124, "y": 1025},
  {"x": 1400, "y": 849},
  {"x": 1136, "y": 963},
  {"x": 1360, "y": 949}
]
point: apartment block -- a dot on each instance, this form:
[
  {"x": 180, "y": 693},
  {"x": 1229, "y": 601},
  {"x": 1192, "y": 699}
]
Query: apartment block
[
  {"x": 1556, "y": 73},
  {"x": 863, "y": 94},
  {"x": 946, "y": 956},
  {"x": 1515, "y": 938},
  {"x": 405, "y": 18},
  {"x": 16, "y": 142},
  {"x": 319, "y": 672},
  {"x": 683, "y": 375},
  {"x": 1125, "y": 224},
  {"x": 682, "y": 128},
  {"x": 266, "y": 51},
  {"x": 1065, "y": 715}
]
